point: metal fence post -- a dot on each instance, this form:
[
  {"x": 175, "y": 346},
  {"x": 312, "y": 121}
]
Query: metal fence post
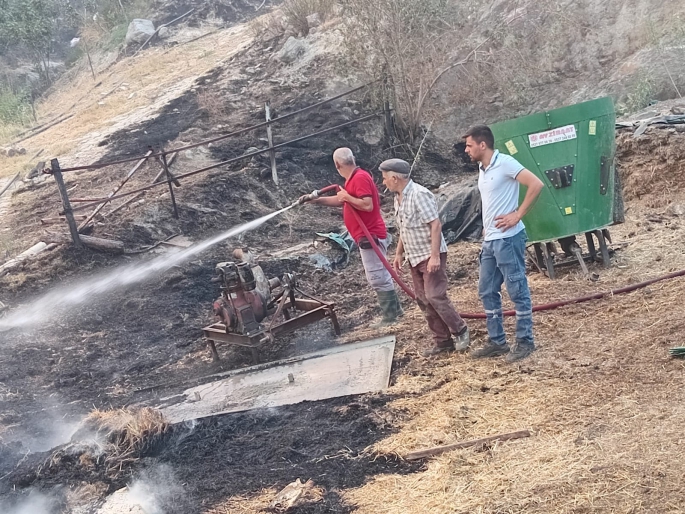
[
  {"x": 73, "y": 228},
  {"x": 269, "y": 135}
]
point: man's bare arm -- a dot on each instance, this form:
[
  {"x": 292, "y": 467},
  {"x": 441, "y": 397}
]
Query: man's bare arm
[{"x": 534, "y": 186}]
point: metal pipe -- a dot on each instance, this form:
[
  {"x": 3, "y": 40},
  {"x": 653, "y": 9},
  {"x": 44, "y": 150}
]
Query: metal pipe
[
  {"x": 96, "y": 201},
  {"x": 582, "y": 299},
  {"x": 536, "y": 308},
  {"x": 220, "y": 138}
]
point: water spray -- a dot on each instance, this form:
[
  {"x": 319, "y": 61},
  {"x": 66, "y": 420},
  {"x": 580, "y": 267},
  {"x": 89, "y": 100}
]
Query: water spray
[{"x": 61, "y": 298}]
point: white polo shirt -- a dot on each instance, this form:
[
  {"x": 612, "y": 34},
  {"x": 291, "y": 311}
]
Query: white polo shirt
[{"x": 499, "y": 193}]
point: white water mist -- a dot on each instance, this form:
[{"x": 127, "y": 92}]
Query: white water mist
[{"x": 60, "y": 299}]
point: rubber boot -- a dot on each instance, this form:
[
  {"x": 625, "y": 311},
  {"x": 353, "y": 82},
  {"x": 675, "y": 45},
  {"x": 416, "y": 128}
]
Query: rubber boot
[
  {"x": 390, "y": 307},
  {"x": 398, "y": 305}
]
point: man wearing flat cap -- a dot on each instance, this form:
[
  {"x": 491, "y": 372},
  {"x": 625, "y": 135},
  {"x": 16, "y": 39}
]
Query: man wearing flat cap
[{"x": 423, "y": 244}]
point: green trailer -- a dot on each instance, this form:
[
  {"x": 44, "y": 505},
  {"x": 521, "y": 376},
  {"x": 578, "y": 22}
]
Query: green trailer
[{"x": 572, "y": 151}]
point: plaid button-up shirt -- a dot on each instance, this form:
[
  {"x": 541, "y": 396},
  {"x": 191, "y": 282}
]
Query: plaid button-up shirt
[{"x": 418, "y": 208}]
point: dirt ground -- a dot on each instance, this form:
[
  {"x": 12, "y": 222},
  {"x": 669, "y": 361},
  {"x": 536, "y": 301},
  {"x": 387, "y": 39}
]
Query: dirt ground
[
  {"x": 601, "y": 396},
  {"x": 603, "y": 399}
]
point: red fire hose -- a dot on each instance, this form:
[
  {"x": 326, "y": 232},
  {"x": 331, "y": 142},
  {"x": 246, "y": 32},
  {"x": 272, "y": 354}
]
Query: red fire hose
[
  {"x": 393, "y": 273},
  {"x": 481, "y": 315}
]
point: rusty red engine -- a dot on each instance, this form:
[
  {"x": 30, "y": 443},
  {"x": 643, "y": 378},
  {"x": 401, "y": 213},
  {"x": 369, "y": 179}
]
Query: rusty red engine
[{"x": 246, "y": 297}]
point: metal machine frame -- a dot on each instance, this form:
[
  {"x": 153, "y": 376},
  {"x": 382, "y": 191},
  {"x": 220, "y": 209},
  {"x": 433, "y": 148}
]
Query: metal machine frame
[{"x": 295, "y": 312}]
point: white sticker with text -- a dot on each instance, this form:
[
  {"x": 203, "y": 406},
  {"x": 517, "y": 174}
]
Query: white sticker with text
[{"x": 552, "y": 136}]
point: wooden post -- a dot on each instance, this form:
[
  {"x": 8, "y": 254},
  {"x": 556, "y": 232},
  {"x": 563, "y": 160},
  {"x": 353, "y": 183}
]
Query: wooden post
[
  {"x": 269, "y": 135},
  {"x": 170, "y": 179},
  {"x": 90, "y": 63},
  {"x": 57, "y": 172},
  {"x": 87, "y": 221}
]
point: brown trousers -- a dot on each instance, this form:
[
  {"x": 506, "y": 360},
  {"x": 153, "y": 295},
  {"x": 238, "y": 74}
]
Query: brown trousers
[{"x": 431, "y": 295}]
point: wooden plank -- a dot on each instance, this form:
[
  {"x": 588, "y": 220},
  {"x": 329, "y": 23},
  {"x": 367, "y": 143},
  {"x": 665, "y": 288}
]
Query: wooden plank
[
  {"x": 19, "y": 259},
  {"x": 96, "y": 243},
  {"x": 9, "y": 184},
  {"x": 127, "y": 202},
  {"x": 114, "y": 192},
  {"x": 43, "y": 129},
  {"x": 430, "y": 452}
]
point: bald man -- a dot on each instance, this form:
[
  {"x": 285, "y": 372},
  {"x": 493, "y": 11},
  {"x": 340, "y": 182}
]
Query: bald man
[{"x": 361, "y": 194}]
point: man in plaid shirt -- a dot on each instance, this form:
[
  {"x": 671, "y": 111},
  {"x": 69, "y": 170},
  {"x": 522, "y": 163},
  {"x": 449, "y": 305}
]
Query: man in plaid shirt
[{"x": 423, "y": 244}]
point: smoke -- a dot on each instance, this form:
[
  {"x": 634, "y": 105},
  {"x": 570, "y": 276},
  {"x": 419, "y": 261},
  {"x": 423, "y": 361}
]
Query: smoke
[
  {"x": 46, "y": 428},
  {"x": 60, "y": 433},
  {"x": 156, "y": 490},
  {"x": 36, "y": 503},
  {"x": 61, "y": 299}
]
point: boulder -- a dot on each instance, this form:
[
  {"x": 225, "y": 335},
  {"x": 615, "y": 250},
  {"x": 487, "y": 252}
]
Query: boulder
[
  {"x": 292, "y": 50},
  {"x": 37, "y": 171},
  {"x": 164, "y": 33},
  {"x": 139, "y": 31},
  {"x": 314, "y": 20}
]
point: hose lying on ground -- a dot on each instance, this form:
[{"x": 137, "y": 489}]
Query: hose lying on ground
[{"x": 536, "y": 308}]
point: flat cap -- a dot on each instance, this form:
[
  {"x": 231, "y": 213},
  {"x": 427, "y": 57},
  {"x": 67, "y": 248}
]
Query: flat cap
[{"x": 396, "y": 166}]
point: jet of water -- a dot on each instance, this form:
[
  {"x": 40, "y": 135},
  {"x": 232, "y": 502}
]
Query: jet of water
[{"x": 62, "y": 298}]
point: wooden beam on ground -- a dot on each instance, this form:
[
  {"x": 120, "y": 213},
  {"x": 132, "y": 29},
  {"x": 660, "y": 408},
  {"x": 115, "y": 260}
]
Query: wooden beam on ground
[
  {"x": 46, "y": 127},
  {"x": 430, "y": 452},
  {"x": 13, "y": 264},
  {"x": 87, "y": 221},
  {"x": 95, "y": 243},
  {"x": 9, "y": 184}
]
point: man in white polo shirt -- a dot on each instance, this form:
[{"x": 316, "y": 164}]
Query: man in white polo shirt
[{"x": 502, "y": 258}]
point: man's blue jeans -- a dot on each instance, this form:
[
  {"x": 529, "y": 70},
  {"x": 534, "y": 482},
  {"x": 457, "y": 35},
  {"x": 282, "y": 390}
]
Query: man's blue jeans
[{"x": 502, "y": 261}]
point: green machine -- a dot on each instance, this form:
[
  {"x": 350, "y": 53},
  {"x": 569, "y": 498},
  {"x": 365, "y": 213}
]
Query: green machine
[{"x": 572, "y": 151}]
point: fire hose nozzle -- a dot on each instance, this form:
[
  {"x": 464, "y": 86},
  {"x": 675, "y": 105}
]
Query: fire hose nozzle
[{"x": 308, "y": 198}]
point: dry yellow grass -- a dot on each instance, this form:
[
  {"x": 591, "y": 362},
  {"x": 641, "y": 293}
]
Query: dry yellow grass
[
  {"x": 604, "y": 400},
  {"x": 602, "y": 396},
  {"x": 128, "y": 433},
  {"x": 129, "y": 91}
]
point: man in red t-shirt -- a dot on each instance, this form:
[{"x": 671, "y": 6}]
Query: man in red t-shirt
[{"x": 361, "y": 194}]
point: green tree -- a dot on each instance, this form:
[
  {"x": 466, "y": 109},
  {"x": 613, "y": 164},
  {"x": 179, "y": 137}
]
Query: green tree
[{"x": 31, "y": 24}]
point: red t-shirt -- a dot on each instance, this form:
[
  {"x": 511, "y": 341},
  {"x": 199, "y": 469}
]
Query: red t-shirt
[{"x": 361, "y": 185}]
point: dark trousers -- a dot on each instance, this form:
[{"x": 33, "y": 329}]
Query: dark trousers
[{"x": 431, "y": 295}]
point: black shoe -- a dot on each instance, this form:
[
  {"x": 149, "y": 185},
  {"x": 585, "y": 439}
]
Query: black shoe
[
  {"x": 437, "y": 350},
  {"x": 490, "y": 350},
  {"x": 521, "y": 350}
]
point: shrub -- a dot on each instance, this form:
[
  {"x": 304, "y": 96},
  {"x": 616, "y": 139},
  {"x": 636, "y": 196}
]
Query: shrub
[
  {"x": 15, "y": 107},
  {"x": 296, "y": 12}
]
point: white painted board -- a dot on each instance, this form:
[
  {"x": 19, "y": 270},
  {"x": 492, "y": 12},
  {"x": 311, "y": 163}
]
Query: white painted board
[{"x": 340, "y": 371}]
